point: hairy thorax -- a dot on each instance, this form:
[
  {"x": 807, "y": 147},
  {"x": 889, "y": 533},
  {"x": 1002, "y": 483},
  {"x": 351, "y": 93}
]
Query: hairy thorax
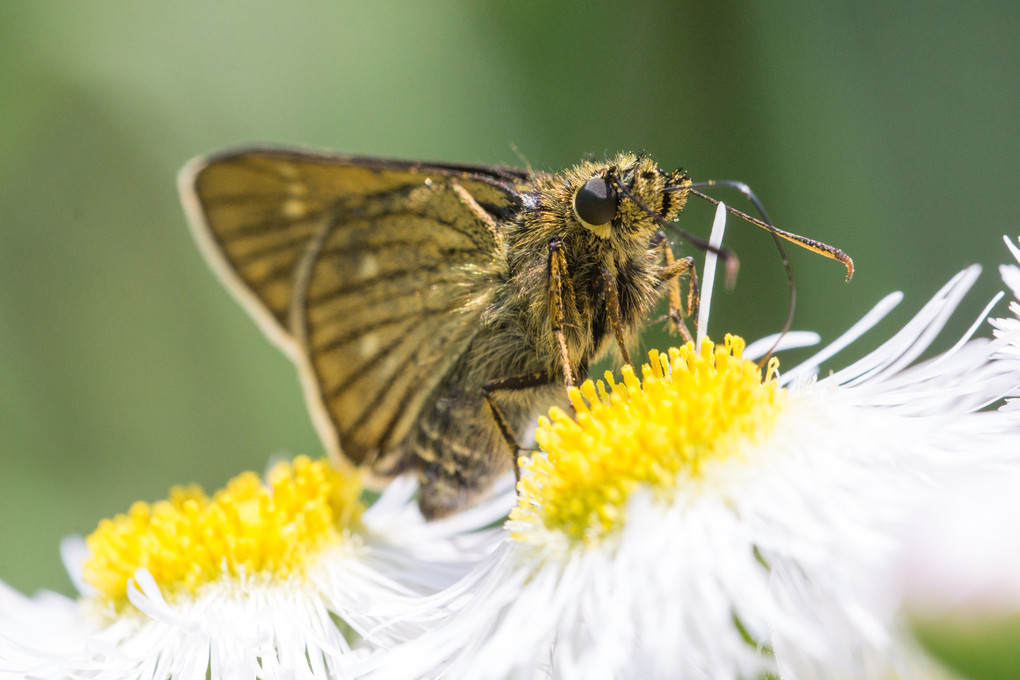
[{"x": 618, "y": 254}]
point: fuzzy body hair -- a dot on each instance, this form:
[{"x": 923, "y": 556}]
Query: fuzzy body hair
[
  {"x": 458, "y": 448},
  {"x": 405, "y": 291}
]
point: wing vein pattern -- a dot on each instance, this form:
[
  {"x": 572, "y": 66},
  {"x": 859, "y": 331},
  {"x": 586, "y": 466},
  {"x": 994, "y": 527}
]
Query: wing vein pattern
[{"x": 361, "y": 268}]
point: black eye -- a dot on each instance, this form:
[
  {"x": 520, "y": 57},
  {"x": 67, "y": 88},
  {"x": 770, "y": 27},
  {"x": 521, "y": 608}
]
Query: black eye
[{"x": 595, "y": 203}]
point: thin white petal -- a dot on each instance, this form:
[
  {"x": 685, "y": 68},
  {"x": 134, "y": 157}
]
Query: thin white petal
[
  {"x": 708, "y": 277},
  {"x": 867, "y": 322},
  {"x": 780, "y": 342},
  {"x": 914, "y": 337}
]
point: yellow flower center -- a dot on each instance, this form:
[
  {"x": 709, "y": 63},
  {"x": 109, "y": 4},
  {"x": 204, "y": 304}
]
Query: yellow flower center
[
  {"x": 249, "y": 528},
  {"x": 690, "y": 410}
]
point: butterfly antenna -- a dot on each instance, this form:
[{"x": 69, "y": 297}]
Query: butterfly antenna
[
  {"x": 777, "y": 234},
  {"x": 727, "y": 255},
  {"x": 822, "y": 249}
]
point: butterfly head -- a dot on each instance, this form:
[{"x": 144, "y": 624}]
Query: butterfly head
[{"x": 627, "y": 197}]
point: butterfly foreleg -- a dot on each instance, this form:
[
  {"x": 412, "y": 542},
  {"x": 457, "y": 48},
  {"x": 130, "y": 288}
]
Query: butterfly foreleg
[
  {"x": 615, "y": 318},
  {"x": 560, "y": 287},
  {"x": 520, "y": 382},
  {"x": 669, "y": 276}
]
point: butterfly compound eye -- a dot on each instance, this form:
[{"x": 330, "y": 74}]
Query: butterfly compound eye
[{"x": 595, "y": 203}]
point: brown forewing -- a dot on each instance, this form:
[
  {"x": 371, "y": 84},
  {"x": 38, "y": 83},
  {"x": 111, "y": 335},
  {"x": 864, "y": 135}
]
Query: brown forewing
[{"x": 370, "y": 274}]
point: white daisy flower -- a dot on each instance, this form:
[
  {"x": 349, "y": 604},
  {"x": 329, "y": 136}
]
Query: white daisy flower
[
  {"x": 713, "y": 520},
  {"x": 264, "y": 580},
  {"x": 959, "y": 576},
  {"x": 1010, "y": 327},
  {"x": 959, "y": 571}
]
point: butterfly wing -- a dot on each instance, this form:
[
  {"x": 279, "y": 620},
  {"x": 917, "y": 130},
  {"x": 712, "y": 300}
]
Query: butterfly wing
[{"x": 370, "y": 274}]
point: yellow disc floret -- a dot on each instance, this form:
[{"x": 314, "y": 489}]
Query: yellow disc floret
[
  {"x": 247, "y": 529},
  {"x": 690, "y": 410}
]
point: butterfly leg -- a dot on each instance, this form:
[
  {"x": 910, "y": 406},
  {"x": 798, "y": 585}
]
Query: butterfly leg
[
  {"x": 520, "y": 382},
  {"x": 669, "y": 276},
  {"x": 615, "y": 318},
  {"x": 559, "y": 284}
]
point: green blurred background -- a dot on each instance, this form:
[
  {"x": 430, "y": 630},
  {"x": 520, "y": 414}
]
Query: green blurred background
[{"x": 888, "y": 129}]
